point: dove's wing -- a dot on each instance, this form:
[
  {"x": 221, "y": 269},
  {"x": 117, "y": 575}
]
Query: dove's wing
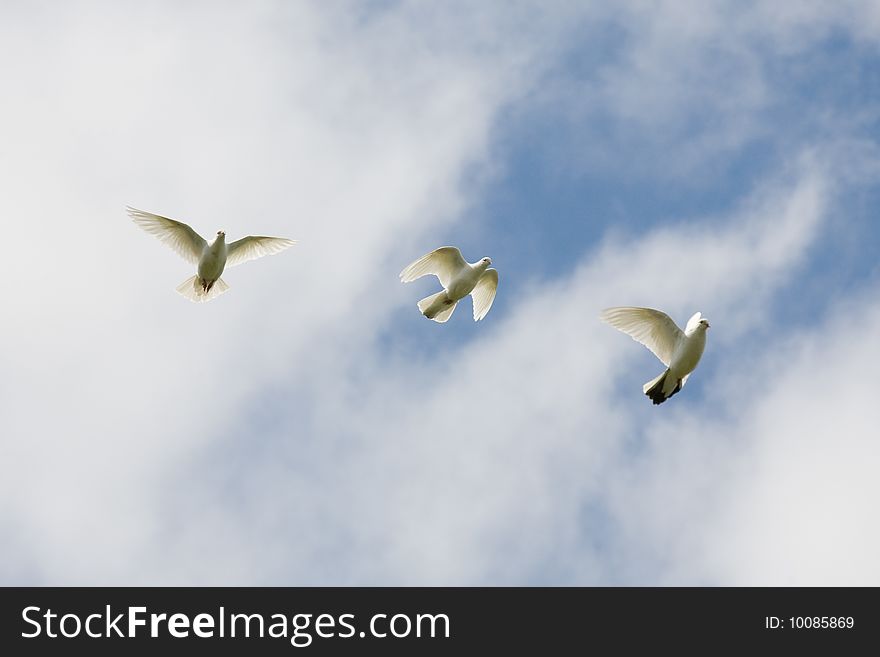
[
  {"x": 652, "y": 328},
  {"x": 180, "y": 237},
  {"x": 484, "y": 293},
  {"x": 444, "y": 263},
  {"x": 253, "y": 247}
]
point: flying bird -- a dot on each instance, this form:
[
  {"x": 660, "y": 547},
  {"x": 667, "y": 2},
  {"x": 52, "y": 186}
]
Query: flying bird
[
  {"x": 679, "y": 351},
  {"x": 212, "y": 258},
  {"x": 458, "y": 278}
]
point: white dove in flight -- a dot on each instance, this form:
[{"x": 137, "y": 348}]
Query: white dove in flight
[
  {"x": 210, "y": 258},
  {"x": 458, "y": 278},
  {"x": 679, "y": 351}
]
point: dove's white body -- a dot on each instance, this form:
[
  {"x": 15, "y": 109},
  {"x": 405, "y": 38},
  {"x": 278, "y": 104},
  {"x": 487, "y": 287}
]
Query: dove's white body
[
  {"x": 211, "y": 259},
  {"x": 685, "y": 358},
  {"x": 679, "y": 350},
  {"x": 688, "y": 352},
  {"x": 459, "y": 287},
  {"x": 458, "y": 278}
]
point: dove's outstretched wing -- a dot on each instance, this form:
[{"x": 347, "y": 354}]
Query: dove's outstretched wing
[
  {"x": 652, "y": 328},
  {"x": 444, "y": 263},
  {"x": 253, "y": 247},
  {"x": 483, "y": 293},
  {"x": 180, "y": 237}
]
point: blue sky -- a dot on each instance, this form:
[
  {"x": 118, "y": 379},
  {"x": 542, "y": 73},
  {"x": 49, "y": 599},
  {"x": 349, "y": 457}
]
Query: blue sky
[
  {"x": 310, "y": 427},
  {"x": 552, "y": 197}
]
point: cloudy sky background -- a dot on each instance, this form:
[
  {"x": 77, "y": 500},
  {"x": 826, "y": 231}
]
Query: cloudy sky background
[{"x": 310, "y": 427}]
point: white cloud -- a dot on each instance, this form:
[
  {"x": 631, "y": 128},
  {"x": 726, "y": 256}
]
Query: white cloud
[
  {"x": 350, "y": 136},
  {"x": 779, "y": 489}
]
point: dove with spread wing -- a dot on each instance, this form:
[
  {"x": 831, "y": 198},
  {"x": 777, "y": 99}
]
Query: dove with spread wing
[
  {"x": 459, "y": 278},
  {"x": 211, "y": 259},
  {"x": 679, "y": 350}
]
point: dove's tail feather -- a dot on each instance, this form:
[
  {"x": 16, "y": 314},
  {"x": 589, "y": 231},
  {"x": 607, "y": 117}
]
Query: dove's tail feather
[
  {"x": 437, "y": 307},
  {"x": 194, "y": 290},
  {"x": 657, "y": 389}
]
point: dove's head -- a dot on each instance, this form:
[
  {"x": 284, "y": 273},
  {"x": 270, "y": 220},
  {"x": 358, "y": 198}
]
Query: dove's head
[
  {"x": 696, "y": 323},
  {"x": 485, "y": 262},
  {"x": 220, "y": 233}
]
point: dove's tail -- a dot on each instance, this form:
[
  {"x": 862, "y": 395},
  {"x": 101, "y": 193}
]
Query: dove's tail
[
  {"x": 438, "y": 307},
  {"x": 196, "y": 290},
  {"x": 662, "y": 388}
]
